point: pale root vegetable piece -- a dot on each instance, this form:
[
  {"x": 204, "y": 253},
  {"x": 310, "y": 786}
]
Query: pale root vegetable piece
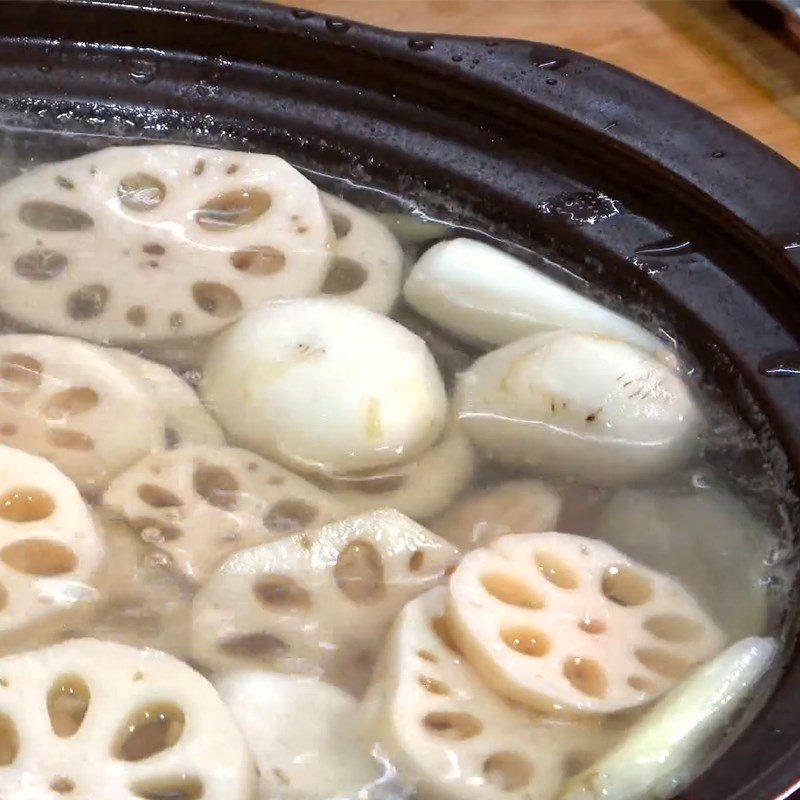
[
  {"x": 367, "y": 260},
  {"x": 199, "y": 504},
  {"x": 50, "y": 550},
  {"x": 303, "y": 734},
  {"x": 520, "y": 506},
  {"x": 196, "y": 237},
  {"x": 570, "y": 625},
  {"x": 324, "y": 385},
  {"x": 578, "y": 406},
  {"x": 419, "y": 489},
  {"x": 95, "y": 719},
  {"x": 709, "y": 539},
  {"x": 484, "y": 295},
  {"x": 316, "y": 602},
  {"x": 186, "y": 419},
  {"x": 449, "y": 735},
  {"x": 72, "y": 403},
  {"x": 662, "y": 751}
]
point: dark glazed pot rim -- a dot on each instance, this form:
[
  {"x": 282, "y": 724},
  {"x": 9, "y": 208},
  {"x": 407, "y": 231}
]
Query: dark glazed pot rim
[{"x": 468, "y": 114}]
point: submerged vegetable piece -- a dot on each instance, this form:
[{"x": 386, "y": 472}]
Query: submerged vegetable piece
[
  {"x": 709, "y": 539},
  {"x": 578, "y": 406},
  {"x": 324, "y": 385},
  {"x": 50, "y": 550},
  {"x": 662, "y": 751},
  {"x": 367, "y": 260},
  {"x": 303, "y": 734},
  {"x": 522, "y": 506},
  {"x": 484, "y": 295},
  {"x": 570, "y": 625},
  {"x": 74, "y": 404},
  {"x": 419, "y": 488},
  {"x": 103, "y": 720},
  {"x": 186, "y": 419},
  {"x": 449, "y": 735},
  {"x": 199, "y": 504},
  {"x": 316, "y": 601},
  {"x": 196, "y": 236}
]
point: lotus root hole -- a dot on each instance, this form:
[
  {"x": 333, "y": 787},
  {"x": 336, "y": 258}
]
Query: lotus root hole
[
  {"x": 154, "y": 531},
  {"x": 20, "y": 376},
  {"x": 9, "y": 741},
  {"x": 341, "y": 225},
  {"x": 264, "y": 260},
  {"x": 9, "y": 429},
  {"x": 39, "y": 557},
  {"x": 626, "y": 586},
  {"x": 511, "y": 590},
  {"x": 433, "y": 685},
  {"x": 77, "y": 400},
  {"x": 87, "y": 302},
  {"x": 136, "y": 315},
  {"x": 507, "y": 770},
  {"x": 673, "y": 628},
  {"x": 64, "y": 183},
  {"x": 26, "y": 504},
  {"x": 344, "y": 276},
  {"x": 426, "y": 655},
  {"x": 40, "y": 264},
  {"x": 577, "y": 761},
  {"x": 176, "y": 320},
  {"x": 216, "y": 299},
  {"x": 592, "y": 625},
  {"x": 154, "y": 249},
  {"x": 70, "y": 439},
  {"x": 67, "y": 703},
  {"x": 231, "y": 210},
  {"x": 290, "y": 516},
  {"x": 157, "y": 496},
  {"x": 179, "y": 787},
  {"x": 199, "y": 167},
  {"x": 526, "y": 640},
  {"x": 641, "y": 684},
  {"x": 46, "y": 216},
  {"x": 441, "y": 630},
  {"x": 358, "y": 573},
  {"x": 416, "y": 561},
  {"x": 454, "y": 725},
  {"x": 216, "y": 485},
  {"x": 259, "y": 646},
  {"x": 556, "y": 570},
  {"x": 140, "y": 191},
  {"x": 62, "y": 785},
  {"x": 148, "y": 731},
  {"x": 586, "y": 675},
  {"x": 3, "y": 599},
  {"x": 281, "y": 592},
  {"x": 662, "y": 662}
]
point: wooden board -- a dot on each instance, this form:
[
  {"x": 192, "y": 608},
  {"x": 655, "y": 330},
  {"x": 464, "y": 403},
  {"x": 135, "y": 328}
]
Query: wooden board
[{"x": 703, "y": 50}]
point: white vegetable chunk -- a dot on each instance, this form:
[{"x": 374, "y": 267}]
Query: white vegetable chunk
[
  {"x": 569, "y": 625},
  {"x": 94, "y": 719},
  {"x": 484, "y": 295},
  {"x": 323, "y": 385},
  {"x": 661, "y": 752},
  {"x": 578, "y": 406},
  {"x": 708, "y": 539},
  {"x": 318, "y": 601},
  {"x": 303, "y": 734},
  {"x": 367, "y": 260},
  {"x": 450, "y": 736},
  {"x": 196, "y": 237}
]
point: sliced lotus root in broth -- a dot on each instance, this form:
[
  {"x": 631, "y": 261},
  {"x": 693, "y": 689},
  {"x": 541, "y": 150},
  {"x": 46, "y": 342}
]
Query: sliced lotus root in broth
[
  {"x": 199, "y": 504},
  {"x": 317, "y": 601},
  {"x": 367, "y": 263},
  {"x": 420, "y": 488},
  {"x": 186, "y": 419},
  {"x": 73, "y": 403},
  {"x": 520, "y": 506},
  {"x": 303, "y": 734},
  {"x": 450, "y": 735},
  {"x": 571, "y": 625},
  {"x": 97, "y": 719},
  {"x": 50, "y": 549},
  {"x": 196, "y": 237}
]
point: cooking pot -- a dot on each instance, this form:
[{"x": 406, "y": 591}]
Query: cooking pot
[{"x": 651, "y": 201}]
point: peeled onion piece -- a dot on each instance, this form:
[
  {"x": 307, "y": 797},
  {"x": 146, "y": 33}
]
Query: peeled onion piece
[
  {"x": 324, "y": 385},
  {"x": 484, "y": 295},
  {"x": 93, "y": 719},
  {"x": 196, "y": 237},
  {"x": 661, "y": 752},
  {"x": 303, "y": 734},
  {"x": 578, "y": 406}
]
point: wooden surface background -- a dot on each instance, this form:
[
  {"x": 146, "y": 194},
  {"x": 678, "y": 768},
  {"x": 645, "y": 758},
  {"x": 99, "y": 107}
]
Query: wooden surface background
[{"x": 700, "y": 49}]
